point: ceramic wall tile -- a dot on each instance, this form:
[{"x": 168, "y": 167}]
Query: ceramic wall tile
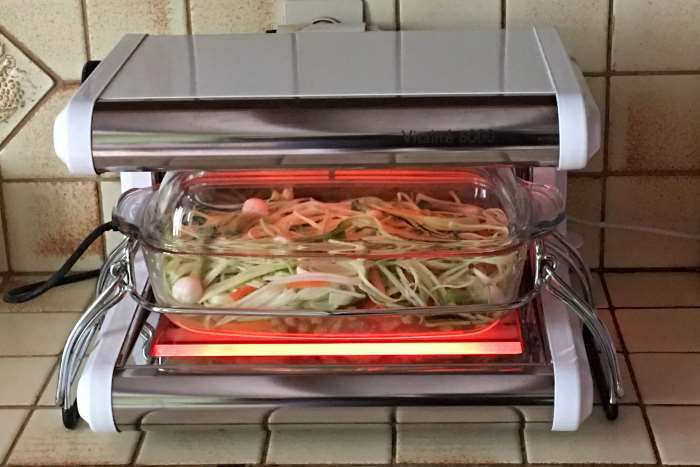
[
  {"x": 23, "y": 378},
  {"x": 34, "y": 334},
  {"x": 597, "y": 441},
  {"x": 110, "y": 191},
  {"x": 30, "y": 154},
  {"x": 449, "y": 14},
  {"x": 596, "y": 84},
  {"x": 676, "y": 432},
  {"x": 667, "y": 378},
  {"x": 655, "y": 122},
  {"x": 583, "y": 26},
  {"x": 356, "y": 443},
  {"x": 70, "y": 297},
  {"x": 654, "y": 289},
  {"x": 458, "y": 443},
  {"x": 222, "y": 16},
  {"x": 583, "y": 201},
  {"x": 22, "y": 85},
  {"x": 12, "y": 420},
  {"x": 656, "y": 35},
  {"x": 669, "y": 202},
  {"x": 108, "y": 21},
  {"x": 228, "y": 445},
  {"x": 47, "y": 220},
  {"x": 661, "y": 330},
  {"x": 44, "y": 441},
  {"x": 52, "y": 30}
]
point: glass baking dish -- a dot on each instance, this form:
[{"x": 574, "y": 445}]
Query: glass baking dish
[{"x": 382, "y": 246}]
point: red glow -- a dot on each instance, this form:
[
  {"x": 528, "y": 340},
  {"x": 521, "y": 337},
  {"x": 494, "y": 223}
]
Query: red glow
[
  {"x": 503, "y": 338},
  {"x": 296, "y": 176},
  {"x": 337, "y": 349}
]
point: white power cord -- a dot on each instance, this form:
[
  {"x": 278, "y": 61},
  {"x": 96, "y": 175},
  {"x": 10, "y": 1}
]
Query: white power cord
[{"x": 637, "y": 228}]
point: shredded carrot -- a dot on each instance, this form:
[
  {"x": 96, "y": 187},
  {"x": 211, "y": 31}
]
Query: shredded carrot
[
  {"x": 242, "y": 292},
  {"x": 376, "y": 280}
]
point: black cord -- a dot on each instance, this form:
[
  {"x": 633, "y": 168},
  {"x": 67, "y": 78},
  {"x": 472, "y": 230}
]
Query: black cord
[{"x": 60, "y": 277}]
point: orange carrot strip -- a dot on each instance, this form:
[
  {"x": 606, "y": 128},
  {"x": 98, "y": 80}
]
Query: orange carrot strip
[{"x": 242, "y": 292}]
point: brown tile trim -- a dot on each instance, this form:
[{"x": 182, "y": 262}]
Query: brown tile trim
[
  {"x": 397, "y": 14},
  {"x": 593, "y": 74},
  {"x": 650, "y": 269},
  {"x": 52, "y": 180},
  {"x": 86, "y": 32},
  {"x": 98, "y": 196},
  {"x": 5, "y": 236},
  {"x": 654, "y": 173},
  {"x": 503, "y": 14},
  {"x": 137, "y": 448},
  {"x": 394, "y": 437},
  {"x": 188, "y": 17},
  {"x": 582, "y": 174}
]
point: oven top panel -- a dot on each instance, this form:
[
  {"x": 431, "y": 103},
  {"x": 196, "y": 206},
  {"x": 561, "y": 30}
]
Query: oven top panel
[{"x": 338, "y": 64}]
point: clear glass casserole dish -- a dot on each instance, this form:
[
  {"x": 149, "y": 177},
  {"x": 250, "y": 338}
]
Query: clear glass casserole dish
[{"x": 370, "y": 241}]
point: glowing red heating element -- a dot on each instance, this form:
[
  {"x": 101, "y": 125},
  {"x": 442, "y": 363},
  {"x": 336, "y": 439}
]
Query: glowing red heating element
[{"x": 502, "y": 338}]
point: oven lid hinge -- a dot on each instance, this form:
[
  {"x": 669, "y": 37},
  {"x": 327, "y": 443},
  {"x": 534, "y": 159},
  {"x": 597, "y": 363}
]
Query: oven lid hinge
[{"x": 322, "y": 15}]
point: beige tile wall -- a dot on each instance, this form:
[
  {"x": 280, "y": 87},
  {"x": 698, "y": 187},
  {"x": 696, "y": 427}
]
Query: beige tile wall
[{"x": 642, "y": 59}]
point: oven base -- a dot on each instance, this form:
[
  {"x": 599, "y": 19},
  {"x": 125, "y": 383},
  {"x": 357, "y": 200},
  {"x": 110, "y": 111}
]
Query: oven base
[{"x": 140, "y": 399}]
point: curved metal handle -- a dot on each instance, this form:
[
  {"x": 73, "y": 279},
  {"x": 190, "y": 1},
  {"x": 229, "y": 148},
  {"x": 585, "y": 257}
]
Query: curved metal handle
[
  {"x": 79, "y": 338},
  {"x": 563, "y": 291}
]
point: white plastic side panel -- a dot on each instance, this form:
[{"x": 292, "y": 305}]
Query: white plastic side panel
[
  {"x": 579, "y": 117},
  {"x": 573, "y": 384},
  {"x": 95, "y": 384},
  {"x": 72, "y": 131},
  {"x": 94, "y": 394},
  {"x": 131, "y": 180}
]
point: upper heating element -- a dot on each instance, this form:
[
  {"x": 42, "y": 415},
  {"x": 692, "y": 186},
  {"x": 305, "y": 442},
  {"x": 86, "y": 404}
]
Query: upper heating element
[{"x": 331, "y": 99}]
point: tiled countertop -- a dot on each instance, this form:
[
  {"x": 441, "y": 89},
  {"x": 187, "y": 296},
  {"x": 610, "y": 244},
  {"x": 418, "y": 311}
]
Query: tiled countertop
[{"x": 655, "y": 318}]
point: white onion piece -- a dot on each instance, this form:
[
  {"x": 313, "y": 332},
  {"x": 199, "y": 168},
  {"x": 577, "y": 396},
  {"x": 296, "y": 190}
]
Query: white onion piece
[
  {"x": 188, "y": 290},
  {"x": 255, "y": 206}
]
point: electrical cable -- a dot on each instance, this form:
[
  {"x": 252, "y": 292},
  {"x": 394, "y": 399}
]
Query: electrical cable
[{"x": 28, "y": 292}]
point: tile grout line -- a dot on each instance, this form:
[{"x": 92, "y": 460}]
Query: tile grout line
[
  {"x": 633, "y": 377},
  {"x": 14, "y": 442},
  {"x": 137, "y": 448}
]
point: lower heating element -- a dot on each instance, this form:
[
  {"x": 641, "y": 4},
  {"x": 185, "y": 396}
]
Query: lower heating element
[{"x": 502, "y": 338}]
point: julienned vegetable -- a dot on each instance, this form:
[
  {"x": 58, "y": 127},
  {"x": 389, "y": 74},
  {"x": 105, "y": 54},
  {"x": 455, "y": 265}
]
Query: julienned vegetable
[{"x": 369, "y": 262}]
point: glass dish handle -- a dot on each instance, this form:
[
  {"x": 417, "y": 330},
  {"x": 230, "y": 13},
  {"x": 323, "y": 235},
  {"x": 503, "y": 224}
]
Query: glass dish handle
[
  {"x": 126, "y": 215},
  {"x": 548, "y": 209},
  {"x": 564, "y": 292}
]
